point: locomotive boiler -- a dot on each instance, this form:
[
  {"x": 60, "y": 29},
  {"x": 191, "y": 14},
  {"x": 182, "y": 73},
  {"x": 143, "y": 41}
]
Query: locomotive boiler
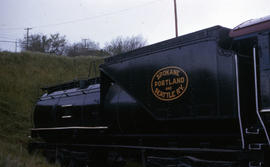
[{"x": 198, "y": 99}]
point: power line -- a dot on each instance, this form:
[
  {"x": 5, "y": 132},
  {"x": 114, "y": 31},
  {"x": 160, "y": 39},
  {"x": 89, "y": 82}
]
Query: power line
[
  {"x": 5, "y": 34},
  {"x": 16, "y": 42},
  {"x": 2, "y": 37},
  {"x": 97, "y": 16},
  {"x": 85, "y": 18},
  {"x": 8, "y": 41},
  {"x": 11, "y": 28}
]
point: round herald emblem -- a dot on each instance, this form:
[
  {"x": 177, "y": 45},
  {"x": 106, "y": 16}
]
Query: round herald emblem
[{"x": 169, "y": 83}]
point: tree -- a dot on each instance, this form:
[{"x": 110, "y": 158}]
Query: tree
[
  {"x": 58, "y": 43},
  {"x": 41, "y": 43},
  {"x": 121, "y": 45},
  {"x": 36, "y": 42},
  {"x": 84, "y": 48}
]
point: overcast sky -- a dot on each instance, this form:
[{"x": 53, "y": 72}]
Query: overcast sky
[{"x": 103, "y": 20}]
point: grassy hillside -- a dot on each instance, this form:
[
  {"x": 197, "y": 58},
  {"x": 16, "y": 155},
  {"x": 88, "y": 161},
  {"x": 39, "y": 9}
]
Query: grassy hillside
[{"x": 21, "y": 76}]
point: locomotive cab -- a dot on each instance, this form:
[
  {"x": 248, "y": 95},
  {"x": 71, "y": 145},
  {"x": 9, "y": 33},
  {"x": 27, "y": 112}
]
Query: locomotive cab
[{"x": 251, "y": 41}]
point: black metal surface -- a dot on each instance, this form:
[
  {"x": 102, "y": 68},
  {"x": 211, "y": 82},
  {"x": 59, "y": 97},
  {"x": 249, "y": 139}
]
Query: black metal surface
[
  {"x": 70, "y": 107},
  {"x": 186, "y": 161},
  {"x": 209, "y": 98},
  {"x": 264, "y": 61}
]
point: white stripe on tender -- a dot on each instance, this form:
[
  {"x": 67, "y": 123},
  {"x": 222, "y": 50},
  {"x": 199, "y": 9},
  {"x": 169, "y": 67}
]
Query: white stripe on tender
[{"x": 72, "y": 127}]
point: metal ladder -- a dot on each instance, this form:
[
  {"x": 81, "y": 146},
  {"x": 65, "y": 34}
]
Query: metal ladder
[
  {"x": 261, "y": 143},
  {"x": 255, "y": 137}
]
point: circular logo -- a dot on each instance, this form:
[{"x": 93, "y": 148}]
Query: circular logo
[{"x": 169, "y": 83}]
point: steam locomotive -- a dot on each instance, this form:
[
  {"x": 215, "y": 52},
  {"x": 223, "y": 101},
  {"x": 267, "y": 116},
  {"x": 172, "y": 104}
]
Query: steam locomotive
[{"x": 202, "y": 99}]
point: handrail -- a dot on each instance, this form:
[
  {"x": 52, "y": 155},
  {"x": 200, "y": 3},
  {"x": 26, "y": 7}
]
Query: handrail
[
  {"x": 256, "y": 95},
  {"x": 238, "y": 101},
  {"x": 93, "y": 90},
  {"x": 71, "y": 84}
]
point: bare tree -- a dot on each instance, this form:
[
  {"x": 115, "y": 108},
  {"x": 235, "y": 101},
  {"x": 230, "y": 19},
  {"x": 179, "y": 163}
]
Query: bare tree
[
  {"x": 121, "y": 45},
  {"x": 36, "y": 42},
  {"x": 58, "y": 44},
  {"x": 86, "y": 48},
  {"x": 41, "y": 43}
]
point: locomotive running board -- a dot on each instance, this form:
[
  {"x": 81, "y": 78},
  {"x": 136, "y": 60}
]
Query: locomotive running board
[
  {"x": 185, "y": 149},
  {"x": 182, "y": 149}
]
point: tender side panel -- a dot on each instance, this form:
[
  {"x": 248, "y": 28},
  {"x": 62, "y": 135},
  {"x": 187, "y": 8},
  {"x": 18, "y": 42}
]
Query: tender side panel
[{"x": 207, "y": 81}]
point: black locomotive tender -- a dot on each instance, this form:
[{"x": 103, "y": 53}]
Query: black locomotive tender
[{"x": 198, "y": 99}]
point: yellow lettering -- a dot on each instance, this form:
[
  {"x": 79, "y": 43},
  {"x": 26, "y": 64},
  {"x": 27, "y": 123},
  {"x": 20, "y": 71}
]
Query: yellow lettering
[
  {"x": 169, "y": 83},
  {"x": 159, "y": 75},
  {"x": 176, "y": 72},
  {"x": 172, "y": 94}
]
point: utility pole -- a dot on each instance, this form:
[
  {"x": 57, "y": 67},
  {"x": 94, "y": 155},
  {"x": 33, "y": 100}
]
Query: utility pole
[
  {"x": 27, "y": 36},
  {"x": 175, "y": 18},
  {"x": 84, "y": 40},
  {"x": 16, "y": 46}
]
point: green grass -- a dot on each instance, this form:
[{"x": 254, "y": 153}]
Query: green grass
[
  {"x": 21, "y": 76},
  {"x": 16, "y": 155}
]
